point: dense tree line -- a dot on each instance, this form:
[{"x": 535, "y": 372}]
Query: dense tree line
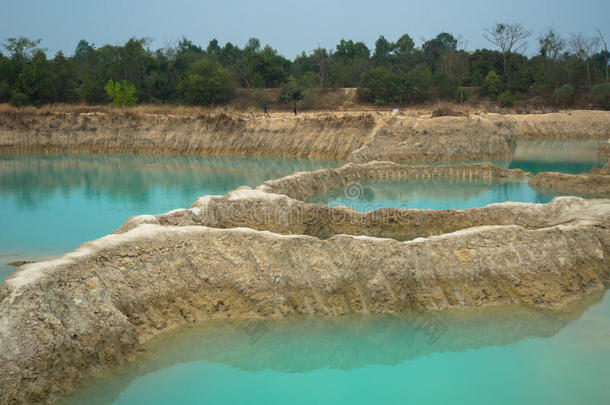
[{"x": 391, "y": 73}]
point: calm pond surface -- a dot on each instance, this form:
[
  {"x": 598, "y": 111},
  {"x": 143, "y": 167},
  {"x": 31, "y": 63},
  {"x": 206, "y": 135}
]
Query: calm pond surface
[
  {"x": 532, "y": 156},
  {"x": 428, "y": 194},
  {"x": 52, "y": 203},
  {"x": 513, "y": 355}
]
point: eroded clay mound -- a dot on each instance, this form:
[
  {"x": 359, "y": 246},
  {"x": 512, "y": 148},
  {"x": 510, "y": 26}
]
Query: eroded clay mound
[
  {"x": 305, "y": 185},
  {"x": 433, "y": 140},
  {"x": 596, "y": 183},
  {"x": 277, "y": 205},
  {"x": 65, "y": 319}
]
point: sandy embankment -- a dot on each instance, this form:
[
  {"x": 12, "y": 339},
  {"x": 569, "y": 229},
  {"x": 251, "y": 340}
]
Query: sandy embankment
[
  {"x": 357, "y": 137},
  {"x": 596, "y": 183}
]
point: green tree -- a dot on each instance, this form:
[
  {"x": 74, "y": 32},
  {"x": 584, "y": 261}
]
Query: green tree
[
  {"x": 22, "y": 49},
  {"x": 37, "y": 81},
  {"x": 64, "y": 78},
  {"x": 121, "y": 94},
  {"x": 404, "y": 46},
  {"x": 382, "y": 86},
  {"x": 206, "y": 82},
  {"x": 601, "y": 95},
  {"x": 506, "y": 99},
  {"x": 551, "y": 46},
  {"x": 492, "y": 84},
  {"x": 564, "y": 95},
  {"x": 383, "y": 47},
  {"x": 437, "y": 50},
  {"x": 351, "y": 50},
  {"x": 8, "y": 77}
]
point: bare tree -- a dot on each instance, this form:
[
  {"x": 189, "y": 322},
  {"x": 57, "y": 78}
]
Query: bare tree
[
  {"x": 583, "y": 47},
  {"x": 508, "y": 37},
  {"x": 551, "y": 46},
  {"x": 603, "y": 41}
]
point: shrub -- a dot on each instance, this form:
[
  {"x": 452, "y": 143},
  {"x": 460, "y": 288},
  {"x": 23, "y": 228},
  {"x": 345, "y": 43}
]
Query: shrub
[
  {"x": 492, "y": 84},
  {"x": 290, "y": 91},
  {"x": 206, "y": 82},
  {"x": 122, "y": 94},
  {"x": 601, "y": 95},
  {"x": 5, "y": 92},
  {"x": 260, "y": 97},
  {"x": 382, "y": 87},
  {"x": 311, "y": 98},
  {"x": 462, "y": 96},
  {"x": 506, "y": 99},
  {"x": 19, "y": 99},
  {"x": 564, "y": 95}
]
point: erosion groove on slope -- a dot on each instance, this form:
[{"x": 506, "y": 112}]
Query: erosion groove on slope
[
  {"x": 356, "y": 136},
  {"x": 65, "y": 319}
]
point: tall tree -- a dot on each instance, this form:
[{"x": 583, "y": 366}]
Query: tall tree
[
  {"x": 583, "y": 48},
  {"x": 509, "y": 38},
  {"x": 383, "y": 47},
  {"x": 437, "y": 50},
  {"x": 607, "y": 54},
  {"x": 37, "y": 81},
  {"x": 551, "y": 45}
]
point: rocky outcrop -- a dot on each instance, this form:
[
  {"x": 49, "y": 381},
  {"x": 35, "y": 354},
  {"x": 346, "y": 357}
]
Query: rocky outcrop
[
  {"x": 357, "y": 137},
  {"x": 66, "y": 319},
  {"x": 596, "y": 183}
]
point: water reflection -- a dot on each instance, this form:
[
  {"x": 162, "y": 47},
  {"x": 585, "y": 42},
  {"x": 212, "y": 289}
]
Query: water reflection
[
  {"x": 343, "y": 343},
  {"x": 558, "y": 150},
  {"x": 52, "y": 203},
  {"x": 32, "y": 178},
  {"x": 563, "y": 156},
  {"x": 430, "y": 194}
]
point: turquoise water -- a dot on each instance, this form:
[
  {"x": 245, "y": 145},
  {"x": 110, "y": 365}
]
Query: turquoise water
[
  {"x": 481, "y": 356},
  {"x": 428, "y": 194},
  {"x": 50, "y": 204},
  {"x": 554, "y": 156},
  {"x": 532, "y": 156}
]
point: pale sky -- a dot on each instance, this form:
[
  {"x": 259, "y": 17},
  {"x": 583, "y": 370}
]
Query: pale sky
[{"x": 289, "y": 26}]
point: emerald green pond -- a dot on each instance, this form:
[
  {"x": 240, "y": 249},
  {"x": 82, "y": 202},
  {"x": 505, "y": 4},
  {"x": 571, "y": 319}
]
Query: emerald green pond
[
  {"x": 429, "y": 194},
  {"x": 52, "y": 203},
  {"x": 482, "y": 356},
  {"x": 531, "y": 156}
]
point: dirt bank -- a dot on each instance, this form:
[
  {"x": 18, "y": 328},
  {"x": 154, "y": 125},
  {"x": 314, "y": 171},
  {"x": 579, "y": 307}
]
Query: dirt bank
[
  {"x": 596, "y": 183},
  {"x": 356, "y": 136},
  {"x": 304, "y": 185}
]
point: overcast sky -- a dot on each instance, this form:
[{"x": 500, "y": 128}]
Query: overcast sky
[{"x": 289, "y": 26}]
